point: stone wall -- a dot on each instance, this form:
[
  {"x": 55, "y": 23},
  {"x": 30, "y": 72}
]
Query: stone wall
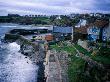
[{"x": 84, "y": 43}]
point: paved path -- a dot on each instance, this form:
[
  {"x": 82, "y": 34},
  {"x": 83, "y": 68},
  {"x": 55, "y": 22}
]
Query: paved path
[{"x": 53, "y": 68}]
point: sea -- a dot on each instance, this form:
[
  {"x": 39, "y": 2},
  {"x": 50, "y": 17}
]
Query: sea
[{"x": 14, "y": 66}]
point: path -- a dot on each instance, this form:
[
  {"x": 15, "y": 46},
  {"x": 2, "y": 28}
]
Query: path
[{"x": 53, "y": 69}]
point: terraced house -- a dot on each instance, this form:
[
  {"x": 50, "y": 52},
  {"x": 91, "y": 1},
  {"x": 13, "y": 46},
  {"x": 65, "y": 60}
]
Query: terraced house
[{"x": 97, "y": 30}]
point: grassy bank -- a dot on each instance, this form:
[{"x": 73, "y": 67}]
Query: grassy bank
[
  {"x": 77, "y": 66},
  {"x": 100, "y": 57}
]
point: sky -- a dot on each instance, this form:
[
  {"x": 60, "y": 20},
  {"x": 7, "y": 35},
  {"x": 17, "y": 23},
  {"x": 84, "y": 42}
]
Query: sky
[{"x": 53, "y": 7}]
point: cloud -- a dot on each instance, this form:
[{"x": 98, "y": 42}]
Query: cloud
[{"x": 49, "y": 7}]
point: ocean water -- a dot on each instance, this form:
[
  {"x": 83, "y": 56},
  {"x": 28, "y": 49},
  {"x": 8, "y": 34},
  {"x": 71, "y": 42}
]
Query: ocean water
[{"x": 14, "y": 66}]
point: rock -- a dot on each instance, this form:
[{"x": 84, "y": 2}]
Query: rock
[{"x": 29, "y": 49}]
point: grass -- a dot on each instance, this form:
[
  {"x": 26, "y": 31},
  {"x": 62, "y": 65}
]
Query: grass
[
  {"x": 75, "y": 69},
  {"x": 104, "y": 59},
  {"x": 69, "y": 49},
  {"x": 76, "y": 65},
  {"x": 82, "y": 50},
  {"x": 101, "y": 59}
]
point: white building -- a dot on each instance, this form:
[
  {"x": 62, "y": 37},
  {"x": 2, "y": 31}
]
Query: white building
[{"x": 82, "y": 22}]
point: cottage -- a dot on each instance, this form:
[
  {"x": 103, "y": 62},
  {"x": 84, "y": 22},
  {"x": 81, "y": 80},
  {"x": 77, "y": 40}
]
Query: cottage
[
  {"x": 93, "y": 33},
  {"x": 106, "y": 33},
  {"x": 62, "y": 33},
  {"x": 80, "y": 33},
  {"x": 99, "y": 30},
  {"x": 80, "y": 30},
  {"x": 82, "y": 22}
]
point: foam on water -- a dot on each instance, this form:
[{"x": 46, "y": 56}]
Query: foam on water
[
  {"x": 17, "y": 68},
  {"x": 14, "y": 66}
]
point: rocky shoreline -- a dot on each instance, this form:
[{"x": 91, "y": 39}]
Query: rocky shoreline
[{"x": 33, "y": 50}]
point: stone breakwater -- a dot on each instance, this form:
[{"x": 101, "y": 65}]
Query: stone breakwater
[{"x": 33, "y": 50}]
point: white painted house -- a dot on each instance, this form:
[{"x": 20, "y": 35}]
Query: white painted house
[{"x": 82, "y": 22}]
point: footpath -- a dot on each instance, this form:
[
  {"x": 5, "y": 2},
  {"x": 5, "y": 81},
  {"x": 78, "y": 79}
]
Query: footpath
[{"x": 55, "y": 66}]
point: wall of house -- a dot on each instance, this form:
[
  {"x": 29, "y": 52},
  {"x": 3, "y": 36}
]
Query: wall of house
[
  {"x": 61, "y": 36},
  {"x": 93, "y": 33},
  {"x": 84, "y": 43},
  {"x": 106, "y": 34},
  {"x": 78, "y": 36}
]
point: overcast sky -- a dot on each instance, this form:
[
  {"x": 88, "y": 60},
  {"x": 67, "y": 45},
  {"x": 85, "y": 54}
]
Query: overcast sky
[{"x": 50, "y": 7}]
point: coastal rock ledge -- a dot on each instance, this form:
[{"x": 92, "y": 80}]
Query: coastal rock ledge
[{"x": 30, "y": 49}]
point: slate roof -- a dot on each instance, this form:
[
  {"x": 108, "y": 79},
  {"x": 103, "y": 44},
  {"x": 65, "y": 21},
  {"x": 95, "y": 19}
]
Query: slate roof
[
  {"x": 82, "y": 29},
  {"x": 62, "y": 29},
  {"x": 97, "y": 23},
  {"x": 101, "y": 23}
]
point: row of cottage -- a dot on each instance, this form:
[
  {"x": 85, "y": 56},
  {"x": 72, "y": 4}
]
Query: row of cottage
[{"x": 98, "y": 30}]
